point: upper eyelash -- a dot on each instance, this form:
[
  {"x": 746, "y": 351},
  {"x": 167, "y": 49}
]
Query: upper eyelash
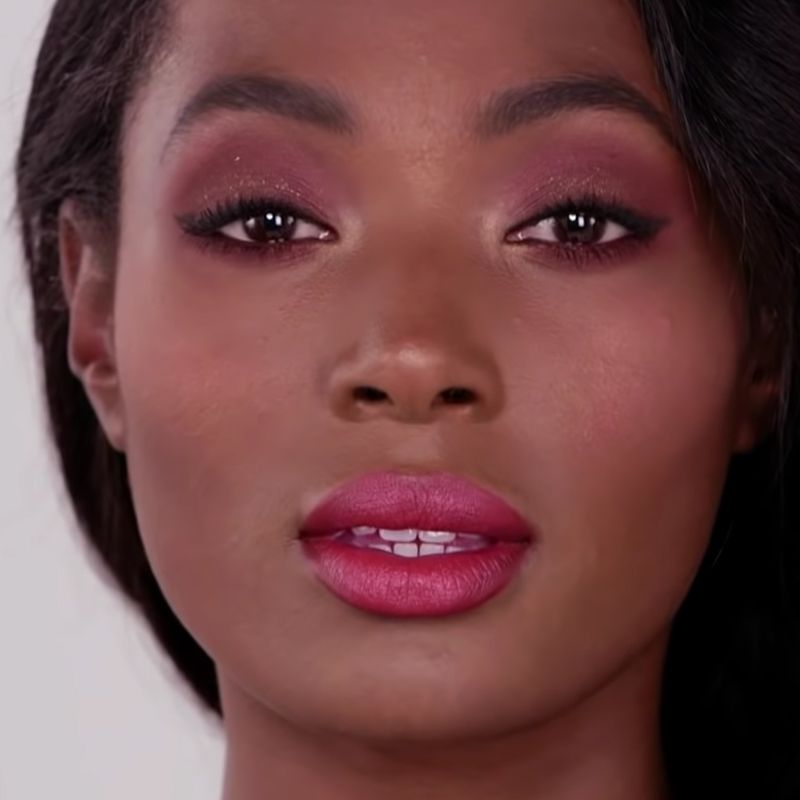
[
  {"x": 641, "y": 227},
  {"x": 206, "y": 226},
  {"x": 210, "y": 220}
]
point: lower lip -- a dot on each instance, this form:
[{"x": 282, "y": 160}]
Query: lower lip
[{"x": 426, "y": 586}]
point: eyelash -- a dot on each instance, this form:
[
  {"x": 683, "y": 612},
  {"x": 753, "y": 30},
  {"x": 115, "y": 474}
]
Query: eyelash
[
  {"x": 204, "y": 229},
  {"x": 641, "y": 229}
]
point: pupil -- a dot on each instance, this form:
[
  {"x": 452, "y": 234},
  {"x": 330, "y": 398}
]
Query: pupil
[
  {"x": 270, "y": 227},
  {"x": 580, "y": 228}
]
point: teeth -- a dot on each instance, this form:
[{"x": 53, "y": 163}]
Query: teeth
[
  {"x": 398, "y": 536},
  {"x": 412, "y": 550},
  {"x": 437, "y": 537},
  {"x": 412, "y": 543},
  {"x": 431, "y": 549},
  {"x": 429, "y": 537}
]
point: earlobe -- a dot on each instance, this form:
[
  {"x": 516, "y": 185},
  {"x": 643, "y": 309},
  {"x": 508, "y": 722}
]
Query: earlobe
[
  {"x": 759, "y": 418},
  {"x": 763, "y": 384},
  {"x": 88, "y": 288}
]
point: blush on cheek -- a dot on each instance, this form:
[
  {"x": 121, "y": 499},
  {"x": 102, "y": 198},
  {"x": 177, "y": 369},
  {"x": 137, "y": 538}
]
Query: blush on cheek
[
  {"x": 193, "y": 482},
  {"x": 186, "y": 417},
  {"x": 633, "y": 466},
  {"x": 654, "y": 384}
]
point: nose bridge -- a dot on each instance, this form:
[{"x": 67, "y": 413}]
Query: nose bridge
[
  {"x": 422, "y": 173},
  {"x": 420, "y": 246},
  {"x": 422, "y": 275},
  {"x": 424, "y": 279}
]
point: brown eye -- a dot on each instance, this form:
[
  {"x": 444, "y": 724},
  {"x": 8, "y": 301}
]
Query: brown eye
[
  {"x": 579, "y": 228},
  {"x": 274, "y": 226},
  {"x": 269, "y": 227},
  {"x": 572, "y": 228}
]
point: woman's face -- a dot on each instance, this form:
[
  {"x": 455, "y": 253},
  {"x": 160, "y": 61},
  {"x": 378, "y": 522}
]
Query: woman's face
[{"x": 607, "y": 373}]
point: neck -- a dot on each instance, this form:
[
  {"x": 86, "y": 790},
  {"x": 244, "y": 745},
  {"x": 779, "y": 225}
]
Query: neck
[{"x": 605, "y": 747}]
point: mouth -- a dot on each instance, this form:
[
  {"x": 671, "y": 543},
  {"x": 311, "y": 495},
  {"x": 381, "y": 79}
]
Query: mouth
[
  {"x": 411, "y": 543},
  {"x": 406, "y": 545}
]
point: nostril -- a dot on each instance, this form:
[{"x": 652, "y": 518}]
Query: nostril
[
  {"x": 369, "y": 393},
  {"x": 458, "y": 395},
  {"x": 452, "y": 396}
]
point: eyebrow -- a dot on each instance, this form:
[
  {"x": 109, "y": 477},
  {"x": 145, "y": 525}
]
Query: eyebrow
[
  {"x": 509, "y": 109},
  {"x": 288, "y": 98},
  {"x": 501, "y": 114}
]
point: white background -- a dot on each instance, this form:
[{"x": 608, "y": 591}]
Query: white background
[{"x": 89, "y": 707}]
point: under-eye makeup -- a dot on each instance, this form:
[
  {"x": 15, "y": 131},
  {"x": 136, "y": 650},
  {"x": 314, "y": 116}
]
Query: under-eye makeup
[
  {"x": 269, "y": 228},
  {"x": 585, "y": 228},
  {"x": 578, "y": 230}
]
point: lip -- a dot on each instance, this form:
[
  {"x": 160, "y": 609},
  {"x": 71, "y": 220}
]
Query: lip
[
  {"x": 430, "y": 585},
  {"x": 436, "y": 502}
]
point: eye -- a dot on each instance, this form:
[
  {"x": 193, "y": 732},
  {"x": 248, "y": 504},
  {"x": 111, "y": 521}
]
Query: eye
[
  {"x": 274, "y": 225},
  {"x": 267, "y": 227},
  {"x": 575, "y": 228},
  {"x": 587, "y": 229}
]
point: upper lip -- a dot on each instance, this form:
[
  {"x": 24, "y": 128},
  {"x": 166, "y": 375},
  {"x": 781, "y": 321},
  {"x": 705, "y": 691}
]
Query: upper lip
[{"x": 435, "y": 502}]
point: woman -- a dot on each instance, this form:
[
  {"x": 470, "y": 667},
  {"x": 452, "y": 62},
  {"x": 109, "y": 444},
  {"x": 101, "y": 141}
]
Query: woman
[{"x": 425, "y": 374}]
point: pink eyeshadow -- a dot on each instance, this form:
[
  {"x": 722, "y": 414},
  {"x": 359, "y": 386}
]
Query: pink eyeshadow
[
  {"x": 215, "y": 167},
  {"x": 577, "y": 164}
]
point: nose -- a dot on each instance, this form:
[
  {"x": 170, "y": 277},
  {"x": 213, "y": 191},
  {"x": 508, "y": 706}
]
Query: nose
[
  {"x": 416, "y": 382},
  {"x": 419, "y": 331}
]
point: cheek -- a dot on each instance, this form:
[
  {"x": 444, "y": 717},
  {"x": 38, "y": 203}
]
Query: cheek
[
  {"x": 653, "y": 396},
  {"x": 630, "y": 439},
  {"x": 649, "y": 390},
  {"x": 213, "y": 430}
]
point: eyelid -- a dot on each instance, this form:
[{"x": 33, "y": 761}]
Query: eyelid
[
  {"x": 641, "y": 225},
  {"x": 213, "y": 219},
  {"x": 610, "y": 226},
  {"x": 302, "y": 220},
  {"x": 205, "y": 229}
]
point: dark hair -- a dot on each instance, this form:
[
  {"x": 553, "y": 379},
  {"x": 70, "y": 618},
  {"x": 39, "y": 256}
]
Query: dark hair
[{"x": 731, "y": 72}]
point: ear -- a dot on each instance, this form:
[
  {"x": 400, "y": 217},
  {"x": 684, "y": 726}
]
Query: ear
[
  {"x": 88, "y": 287},
  {"x": 762, "y": 386}
]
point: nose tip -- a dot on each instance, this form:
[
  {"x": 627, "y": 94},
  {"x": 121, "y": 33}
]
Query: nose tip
[{"x": 416, "y": 390}]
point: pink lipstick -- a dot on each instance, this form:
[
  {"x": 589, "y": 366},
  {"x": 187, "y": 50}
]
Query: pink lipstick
[{"x": 404, "y": 545}]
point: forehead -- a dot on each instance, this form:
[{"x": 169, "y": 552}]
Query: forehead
[{"x": 416, "y": 56}]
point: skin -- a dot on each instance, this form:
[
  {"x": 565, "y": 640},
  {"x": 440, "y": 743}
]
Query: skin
[{"x": 610, "y": 394}]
